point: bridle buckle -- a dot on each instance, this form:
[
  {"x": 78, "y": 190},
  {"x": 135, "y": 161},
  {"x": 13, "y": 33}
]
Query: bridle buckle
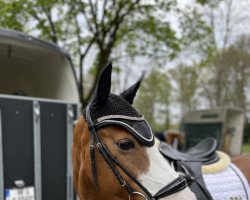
[
  {"x": 124, "y": 183},
  {"x": 99, "y": 145}
]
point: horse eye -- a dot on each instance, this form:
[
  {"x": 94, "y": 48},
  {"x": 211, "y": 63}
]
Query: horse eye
[{"x": 125, "y": 144}]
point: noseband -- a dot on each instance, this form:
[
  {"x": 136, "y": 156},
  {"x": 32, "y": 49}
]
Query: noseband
[{"x": 176, "y": 185}]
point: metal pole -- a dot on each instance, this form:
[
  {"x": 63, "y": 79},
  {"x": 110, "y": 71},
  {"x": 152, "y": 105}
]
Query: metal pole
[
  {"x": 70, "y": 121},
  {"x": 78, "y": 114},
  {"x": 37, "y": 150},
  {"x": 1, "y": 160}
]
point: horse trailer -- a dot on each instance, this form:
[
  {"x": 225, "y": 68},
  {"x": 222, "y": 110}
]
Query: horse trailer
[
  {"x": 223, "y": 124},
  {"x": 39, "y": 102}
]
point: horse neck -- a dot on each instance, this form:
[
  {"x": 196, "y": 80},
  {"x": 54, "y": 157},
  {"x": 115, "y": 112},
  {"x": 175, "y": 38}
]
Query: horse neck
[{"x": 80, "y": 140}]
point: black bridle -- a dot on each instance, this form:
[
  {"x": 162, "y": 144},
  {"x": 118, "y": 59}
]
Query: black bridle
[{"x": 176, "y": 185}]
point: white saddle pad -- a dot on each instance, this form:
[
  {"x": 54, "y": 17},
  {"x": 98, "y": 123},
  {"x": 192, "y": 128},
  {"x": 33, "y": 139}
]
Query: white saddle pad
[{"x": 229, "y": 184}]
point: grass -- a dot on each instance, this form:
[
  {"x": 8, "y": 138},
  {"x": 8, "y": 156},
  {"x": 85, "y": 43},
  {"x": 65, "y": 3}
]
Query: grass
[{"x": 246, "y": 148}]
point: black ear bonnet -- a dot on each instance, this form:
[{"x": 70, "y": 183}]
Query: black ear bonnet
[{"x": 117, "y": 110}]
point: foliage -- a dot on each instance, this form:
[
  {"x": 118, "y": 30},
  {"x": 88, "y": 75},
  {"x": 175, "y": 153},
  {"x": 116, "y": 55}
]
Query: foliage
[
  {"x": 222, "y": 67},
  {"x": 103, "y": 25},
  {"x": 10, "y": 16},
  {"x": 196, "y": 34},
  {"x": 246, "y": 148},
  {"x": 211, "y": 3}
]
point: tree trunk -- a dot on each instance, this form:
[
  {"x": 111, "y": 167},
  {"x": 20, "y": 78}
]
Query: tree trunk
[
  {"x": 102, "y": 62},
  {"x": 80, "y": 84},
  {"x": 167, "y": 122}
]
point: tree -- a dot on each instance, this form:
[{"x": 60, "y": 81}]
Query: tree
[
  {"x": 185, "y": 78},
  {"x": 234, "y": 65},
  {"x": 100, "y": 25},
  {"x": 154, "y": 99},
  {"x": 221, "y": 58},
  {"x": 197, "y": 47},
  {"x": 225, "y": 64}
]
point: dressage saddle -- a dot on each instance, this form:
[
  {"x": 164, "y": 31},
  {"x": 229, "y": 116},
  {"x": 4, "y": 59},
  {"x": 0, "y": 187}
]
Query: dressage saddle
[
  {"x": 189, "y": 164},
  {"x": 204, "y": 152}
]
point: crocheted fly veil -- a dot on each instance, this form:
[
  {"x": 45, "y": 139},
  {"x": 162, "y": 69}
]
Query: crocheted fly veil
[{"x": 108, "y": 109}]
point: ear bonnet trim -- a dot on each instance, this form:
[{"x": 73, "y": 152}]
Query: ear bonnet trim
[
  {"x": 134, "y": 130},
  {"x": 119, "y": 117}
]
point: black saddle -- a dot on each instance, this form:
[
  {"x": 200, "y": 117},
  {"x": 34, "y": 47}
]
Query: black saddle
[
  {"x": 189, "y": 164},
  {"x": 204, "y": 152}
]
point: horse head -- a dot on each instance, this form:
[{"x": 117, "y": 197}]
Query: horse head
[{"x": 115, "y": 155}]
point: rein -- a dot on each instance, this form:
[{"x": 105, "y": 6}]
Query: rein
[{"x": 176, "y": 185}]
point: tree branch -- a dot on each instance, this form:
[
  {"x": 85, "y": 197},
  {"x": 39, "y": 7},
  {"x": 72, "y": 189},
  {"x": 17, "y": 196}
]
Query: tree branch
[
  {"x": 94, "y": 13},
  {"x": 104, "y": 13},
  {"x": 83, "y": 11},
  {"x": 52, "y": 26},
  {"x": 78, "y": 35},
  {"x": 228, "y": 20},
  {"x": 118, "y": 21},
  {"x": 92, "y": 29},
  {"x": 213, "y": 28},
  {"x": 42, "y": 24},
  {"x": 82, "y": 56}
]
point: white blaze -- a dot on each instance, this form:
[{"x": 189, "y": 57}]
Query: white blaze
[{"x": 160, "y": 173}]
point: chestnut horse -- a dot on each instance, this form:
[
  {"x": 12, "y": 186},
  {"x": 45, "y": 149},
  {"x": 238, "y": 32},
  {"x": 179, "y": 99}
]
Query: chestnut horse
[
  {"x": 114, "y": 153},
  {"x": 243, "y": 163},
  {"x": 175, "y": 138}
]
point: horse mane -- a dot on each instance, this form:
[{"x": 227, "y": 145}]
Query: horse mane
[{"x": 80, "y": 141}]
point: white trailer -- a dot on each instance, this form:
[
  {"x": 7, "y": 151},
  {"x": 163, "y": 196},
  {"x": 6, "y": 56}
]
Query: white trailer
[{"x": 39, "y": 102}]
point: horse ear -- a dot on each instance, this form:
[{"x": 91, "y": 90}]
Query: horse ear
[
  {"x": 130, "y": 93},
  {"x": 102, "y": 90}
]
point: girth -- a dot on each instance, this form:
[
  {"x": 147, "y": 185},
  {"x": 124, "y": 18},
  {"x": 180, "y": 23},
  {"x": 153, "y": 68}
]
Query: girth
[{"x": 176, "y": 185}]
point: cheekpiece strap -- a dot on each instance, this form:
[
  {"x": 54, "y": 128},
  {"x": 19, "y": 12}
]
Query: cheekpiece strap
[{"x": 92, "y": 146}]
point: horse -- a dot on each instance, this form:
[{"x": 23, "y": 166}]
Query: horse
[
  {"x": 176, "y": 138},
  {"x": 243, "y": 163},
  {"x": 114, "y": 154}
]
